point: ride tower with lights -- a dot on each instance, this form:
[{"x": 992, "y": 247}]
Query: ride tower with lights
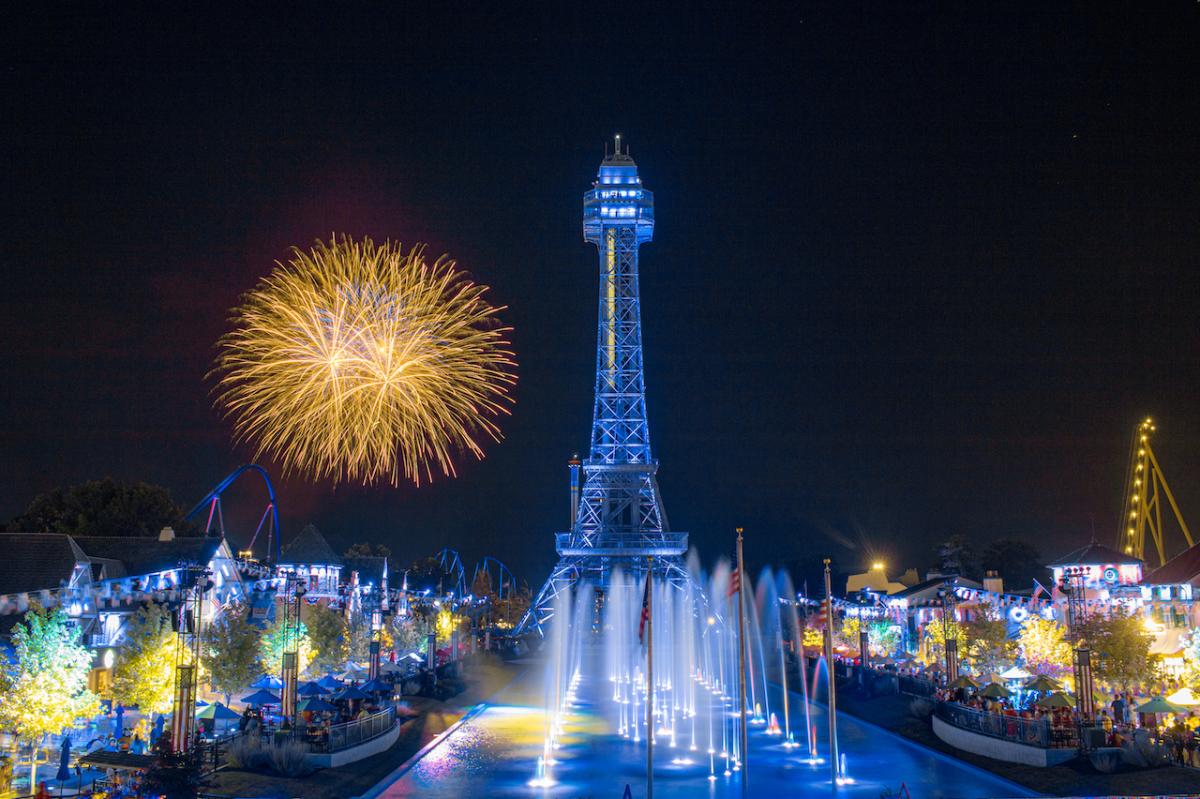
[{"x": 617, "y": 513}]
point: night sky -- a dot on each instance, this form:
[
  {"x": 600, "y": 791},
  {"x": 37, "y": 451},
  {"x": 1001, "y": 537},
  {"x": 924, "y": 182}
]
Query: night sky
[{"x": 914, "y": 274}]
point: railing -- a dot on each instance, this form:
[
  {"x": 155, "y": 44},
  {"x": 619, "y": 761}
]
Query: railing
[
  {"x": 353, "y": 733},
  {"x": 665, "y": 544},
  {"x": 916, "y": 686},
  {"x": 1030, "y": 732}
]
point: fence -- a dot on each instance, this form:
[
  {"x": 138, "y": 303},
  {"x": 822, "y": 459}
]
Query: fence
[
  {"x": 353, "y": 733},
  {"x": 916, "y": 686},
  {"x": 1030, "y": 732}
]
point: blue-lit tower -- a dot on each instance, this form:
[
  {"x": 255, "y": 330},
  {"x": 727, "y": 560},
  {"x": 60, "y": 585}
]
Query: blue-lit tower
[{"x": 618, "y": 517}]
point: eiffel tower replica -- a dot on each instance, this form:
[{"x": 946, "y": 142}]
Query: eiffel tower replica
[{"x": 617, "y": 515}]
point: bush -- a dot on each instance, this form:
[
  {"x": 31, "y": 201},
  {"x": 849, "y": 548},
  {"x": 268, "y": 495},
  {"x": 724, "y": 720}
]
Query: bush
[
  {"x": 289, "y": 759},
  {"x": 247, "y": 752},
  {"x": 921, "y": 708}
]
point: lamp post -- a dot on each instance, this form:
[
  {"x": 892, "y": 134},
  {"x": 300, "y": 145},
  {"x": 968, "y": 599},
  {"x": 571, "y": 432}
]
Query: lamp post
[
  {"x": 196, "y": 581},
  {"x": 294, "y": 591},
  {"x": 1074, "y": 587},
  {"x": 948, "y": 596}
]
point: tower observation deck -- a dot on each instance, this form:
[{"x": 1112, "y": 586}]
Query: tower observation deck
[{"x": 619, "y": 517}]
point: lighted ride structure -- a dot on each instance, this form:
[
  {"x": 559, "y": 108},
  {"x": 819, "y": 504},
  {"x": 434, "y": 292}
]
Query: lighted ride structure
[
  {"x": 1145, "y": 488},
  {"x": 270, "y": 515},
  {"x": 617, "y": 515}
]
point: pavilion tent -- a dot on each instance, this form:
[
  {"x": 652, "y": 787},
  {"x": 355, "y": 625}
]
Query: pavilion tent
[{"x": 1015, "y": 673}]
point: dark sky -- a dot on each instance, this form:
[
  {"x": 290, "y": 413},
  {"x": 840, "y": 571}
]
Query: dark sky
[{"x": 915, "y": 273}]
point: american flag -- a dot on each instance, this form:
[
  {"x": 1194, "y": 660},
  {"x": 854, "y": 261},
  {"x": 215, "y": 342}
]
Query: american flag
[
  {"x": 645, "y": 610},
  {"x": 735, "y": 582}
]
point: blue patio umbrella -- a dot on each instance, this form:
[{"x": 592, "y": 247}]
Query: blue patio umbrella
[
  {"x": 330, "y": 682},
  {"x": 316, "y": 705},
  {"x": 64, "y": 762},
  {"x": 312, "y": 689},
  {"x": 350, "y": 693},
  {"x": 261, "y": 698},
  {"x": 268, "y": 682},
  {"x": 376, "y": 686}
]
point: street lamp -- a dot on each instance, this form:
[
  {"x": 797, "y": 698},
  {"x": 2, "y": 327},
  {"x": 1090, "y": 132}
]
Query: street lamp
[
  {"x": 948, "y": 596},
  {"x": 1073, "y": 586}
]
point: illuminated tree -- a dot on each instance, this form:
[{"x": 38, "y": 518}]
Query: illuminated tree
[
  {"x": 935, "y": 635},
  {"x": 45, "y": 683},
  {"x": 144, "y": 672},
  {"x": 988, "y": 646},
  {"x": 407, "y": 633},
  {"x": 359, "y": 635},
  {"x": 446, "y": 623},
  {"x": 1120, "y": 646},
  {"x": 231, "y": 655},
  {"x": 1043, "y": 646},
  {"x": 327, "y": 635},
  {"x": 883, "y": 636},
  {"x": 271, "y": 647}
]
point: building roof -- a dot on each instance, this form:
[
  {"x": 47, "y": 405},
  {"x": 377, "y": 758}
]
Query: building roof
[
  {"x": 1095, "y": 554},
  {"x": 36, "y": 561},
  {"x": 133, "y": 556},
  {"x": 928, "y": 588},
  {"x": 309, "y": 548},
  {"x": 1183, "y": 568}
]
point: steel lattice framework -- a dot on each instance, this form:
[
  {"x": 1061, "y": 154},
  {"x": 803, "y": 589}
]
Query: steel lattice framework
[{"x": 620, "y": 518}]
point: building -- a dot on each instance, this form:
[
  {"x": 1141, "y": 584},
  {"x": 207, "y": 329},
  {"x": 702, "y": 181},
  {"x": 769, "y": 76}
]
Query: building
[
  {"x": 877, "y": 581},
  {"x": 1101, "y": 567},
  {"x": 102, "y": 581},
  {"x": 310, "y": 558}
]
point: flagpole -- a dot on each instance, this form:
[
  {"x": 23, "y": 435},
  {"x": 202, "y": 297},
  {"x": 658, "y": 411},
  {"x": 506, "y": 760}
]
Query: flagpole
[
  {"x": 741, "y": 567},
  {"x": 832, "y": 679},
  {"x": 649, "y": 679}
]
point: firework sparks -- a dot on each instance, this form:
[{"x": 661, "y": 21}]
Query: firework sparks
[{"x": 364, "y": 362}]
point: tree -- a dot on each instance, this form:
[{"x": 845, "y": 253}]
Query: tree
[
  {"x": 1018, "y": 562},
  {"x": 271, "y": 647},
  {"x": 956, "y": 555},
  {"x": 327, "y": 634},
  {"x": 1121, "y": 645},
  {"x": 935, "y": 634},
  {"x": 231, "y": 654},
  {"x": 367, "y": 550},
  {"x": 144, "y": 672},
  {"x": 359, "y": 635},
  {"x": 1044, "y": 647},
  {"x": 103, "y": 507},
  {"x": 988, "y": 646},
  {"x": 407, "y": 633},
  {"x": 883, "y": 636},
  {"x": 45, "y": 688}
]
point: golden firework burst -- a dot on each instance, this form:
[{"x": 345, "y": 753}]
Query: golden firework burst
[{"x": 362, "y": 362}]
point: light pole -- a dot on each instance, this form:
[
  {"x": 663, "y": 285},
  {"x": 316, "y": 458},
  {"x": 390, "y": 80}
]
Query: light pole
[
  {"x": 1074, "y": 587},
  {"x": 948, "y": 597}
]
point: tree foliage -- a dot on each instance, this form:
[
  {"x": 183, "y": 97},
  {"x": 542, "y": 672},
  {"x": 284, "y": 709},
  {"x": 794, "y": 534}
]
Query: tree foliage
[
  {"x": 1018, "y": 562},
  {"x": 144, "y": 672},
  {"x": 173, "y": 776},
  {"x": 103, "y": 507},
  {"x": 328, "y": 636},
  {"x": 957, "y": 555},
  {"x": 364, "y": 549},
  {"x": 271, "y": 647},
  {"x": 1120, "y": 646},
  {"x": 408, "y": 634},
  {"x": 988, "y": 646},
  {"x": 935, "y": 635},
  {"x": 45, "y": 684},
  {"x": 231, "y": 654},
  {"x": 1044, "y": 647}
]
